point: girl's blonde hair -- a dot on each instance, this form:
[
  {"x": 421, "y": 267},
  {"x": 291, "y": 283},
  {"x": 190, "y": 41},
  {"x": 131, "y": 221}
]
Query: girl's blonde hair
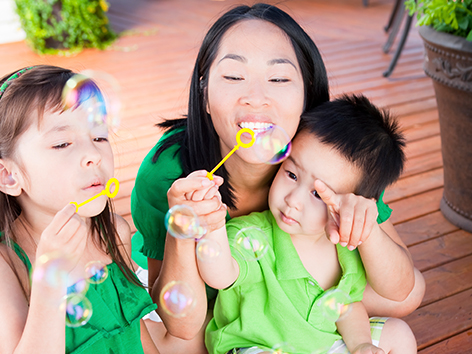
[{"x": 36, "y": 91}]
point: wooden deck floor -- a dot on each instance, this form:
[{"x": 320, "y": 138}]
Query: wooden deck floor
[{"x": 153, "y": 60}]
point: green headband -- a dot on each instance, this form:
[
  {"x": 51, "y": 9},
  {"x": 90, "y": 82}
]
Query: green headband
[{"x": 8, "y": 81}]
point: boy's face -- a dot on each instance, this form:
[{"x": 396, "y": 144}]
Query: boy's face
[{"x": 292, "y": 198}]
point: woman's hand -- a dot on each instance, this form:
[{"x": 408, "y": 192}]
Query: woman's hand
[
  {"x": 201, "y": 194},
  {"x": 351, "y": 218}
]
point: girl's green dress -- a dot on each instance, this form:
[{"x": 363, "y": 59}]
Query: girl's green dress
[{"x": 117, "y": 308}]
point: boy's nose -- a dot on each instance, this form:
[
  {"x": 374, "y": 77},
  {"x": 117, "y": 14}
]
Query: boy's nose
[{"x": 294, "y": 200}]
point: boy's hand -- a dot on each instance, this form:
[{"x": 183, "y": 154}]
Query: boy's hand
[
  {"x": 66, "y": 236},
  {"x": 367, "y": 348},
  {"x": 202, "y": 195},
  {"x": 351, "y": 218}
]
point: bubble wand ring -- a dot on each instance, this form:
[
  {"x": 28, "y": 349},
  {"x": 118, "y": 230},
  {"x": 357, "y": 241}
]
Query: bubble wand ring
[
  {"x": 106, "y": 192},
  {"x": 236, "y": 147}
]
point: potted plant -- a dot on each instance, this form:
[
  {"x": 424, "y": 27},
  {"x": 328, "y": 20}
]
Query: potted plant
[
  {"x": 446, "y": 30},
  {"x": 65, "y": 26}
]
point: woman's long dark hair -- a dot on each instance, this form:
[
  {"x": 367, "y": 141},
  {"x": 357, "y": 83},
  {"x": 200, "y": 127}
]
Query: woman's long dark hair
[
  {"x": 198, "y": 125},
  {"x": 36, "y": 91}
]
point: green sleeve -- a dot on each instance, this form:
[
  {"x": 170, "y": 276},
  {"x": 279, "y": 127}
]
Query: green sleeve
[
  {"x": 149, "y": 198},
  {"x": 384, "y": 210}
]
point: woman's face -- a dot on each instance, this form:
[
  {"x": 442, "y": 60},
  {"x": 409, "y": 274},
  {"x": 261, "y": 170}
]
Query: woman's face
[{"x": 254, "y": 82}]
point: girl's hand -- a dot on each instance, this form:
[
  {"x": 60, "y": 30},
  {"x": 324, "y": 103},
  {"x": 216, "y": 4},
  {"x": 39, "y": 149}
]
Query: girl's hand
[
  {"x": 65, "y": 235},
  {"x": 367, "y": 348},
  {"x": 351, "y": 218}
]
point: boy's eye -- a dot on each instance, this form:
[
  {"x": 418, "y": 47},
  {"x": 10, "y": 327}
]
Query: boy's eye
[
  {"x": 315, "y": 193},
  {"x": 291, "y": 175},
  {"x": 61, "y": 146}
]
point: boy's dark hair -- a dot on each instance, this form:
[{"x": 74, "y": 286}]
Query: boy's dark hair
[{"x": 365, "y": 135}]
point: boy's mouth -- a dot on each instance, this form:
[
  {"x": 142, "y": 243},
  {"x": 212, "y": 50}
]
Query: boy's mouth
[{"x": 288, "y": 220}]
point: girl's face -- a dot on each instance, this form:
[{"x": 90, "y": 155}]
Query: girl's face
[
  {"x": 64, "y": 159},
  {"x": 254, "y": 82}
]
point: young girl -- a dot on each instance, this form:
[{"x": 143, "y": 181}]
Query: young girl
[{"x": 49, "y": 157}]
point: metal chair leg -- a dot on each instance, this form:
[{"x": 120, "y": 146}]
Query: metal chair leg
[
  {"x": 393, "y": 14},
  {"x": 406, "y": 30},
  {"x": 397, "y": 22}
]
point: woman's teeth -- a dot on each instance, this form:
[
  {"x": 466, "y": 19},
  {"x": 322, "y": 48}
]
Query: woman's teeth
[{"x": 256, "y": 126}]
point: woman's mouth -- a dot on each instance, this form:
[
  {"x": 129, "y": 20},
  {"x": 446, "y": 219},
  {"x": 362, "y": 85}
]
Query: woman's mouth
[{"x": 256, "y": 127}]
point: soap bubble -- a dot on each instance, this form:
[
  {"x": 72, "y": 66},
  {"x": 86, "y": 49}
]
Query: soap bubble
[
  {"x": 96, "y": 272},
  {"x": 80, "y": 287},
  {"x": 96, "y": 92},
  {"x": 252, "y": 242},
  {"x": 53, "y": 269},
  {"x": 177, "y": 298},
  {"x": 207, "y": 250},
  {"x": 182, "y": 222},
  {"x": 334, "y": 304},
  {"x": 272, "y": 146},
  {"x": 78, "y": 310},
  {"x": 283, "y": 348}
]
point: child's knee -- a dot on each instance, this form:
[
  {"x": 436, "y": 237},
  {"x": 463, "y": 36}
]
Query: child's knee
[{"x": 397, "y": 337}]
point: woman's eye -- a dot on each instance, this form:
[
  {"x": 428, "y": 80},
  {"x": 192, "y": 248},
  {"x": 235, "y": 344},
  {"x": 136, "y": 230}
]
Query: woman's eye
[
  {"x": 100, "y": 139},
  {"x": 279, "y": 79},
  {"x": 291, "y": 175},
  {"x": 315, "y": 193},
  {"x": 233, "y": 78},
  {"x": 61, "y": 146}
]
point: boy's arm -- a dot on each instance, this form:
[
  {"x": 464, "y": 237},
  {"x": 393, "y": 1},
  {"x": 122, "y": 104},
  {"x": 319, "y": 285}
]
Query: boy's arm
[
  {"x": 353, "y": 223},
  {"x": 222, "y": 271},
  {"x": 354, "y": 327}
]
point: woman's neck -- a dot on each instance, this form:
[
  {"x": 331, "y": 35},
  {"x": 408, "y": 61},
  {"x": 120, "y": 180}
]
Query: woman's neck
[{"x": 251, "y": 183}]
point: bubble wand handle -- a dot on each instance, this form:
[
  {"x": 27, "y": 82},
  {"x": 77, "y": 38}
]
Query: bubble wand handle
[
  {"x": 106, "y": 191},
  {"x": 236, "y": 147}
]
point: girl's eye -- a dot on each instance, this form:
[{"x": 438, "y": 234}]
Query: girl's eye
[
  {"x": 315, "y": 193},
  {"x": 291, "y": 175},
  {"x": 61, "y": 146}
]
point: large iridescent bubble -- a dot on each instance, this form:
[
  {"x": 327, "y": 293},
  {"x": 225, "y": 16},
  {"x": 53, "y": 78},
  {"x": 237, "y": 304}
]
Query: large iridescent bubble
[
  {"x": 177, "y": 298},
  {"x": 97, "y": 94},
  {"x": 182, "y": 222},
  {"x": 272, "y": 145},
  {"x": 251, "y": 242}
]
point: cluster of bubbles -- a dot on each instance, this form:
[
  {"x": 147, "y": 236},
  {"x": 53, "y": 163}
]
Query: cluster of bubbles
[
  {"x": 96, "y": 93},
  {"x": 53, "y": 270},
  {"x": 272, "y": 146}
]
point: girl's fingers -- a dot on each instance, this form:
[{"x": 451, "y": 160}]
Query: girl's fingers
[
  {"x": 205, "y": 207},
  {"x": 60, "y": 219}
]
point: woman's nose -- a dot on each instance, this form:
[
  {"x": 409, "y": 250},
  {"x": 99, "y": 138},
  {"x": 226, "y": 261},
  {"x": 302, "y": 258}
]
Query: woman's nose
[{"x": 255, "y": 95}]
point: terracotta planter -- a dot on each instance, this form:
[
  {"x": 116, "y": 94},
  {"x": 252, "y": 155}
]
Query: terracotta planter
[{"x": 448, "y": 61}]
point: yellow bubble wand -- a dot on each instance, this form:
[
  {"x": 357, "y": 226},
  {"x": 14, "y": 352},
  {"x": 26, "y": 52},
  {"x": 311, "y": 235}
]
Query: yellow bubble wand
[
  {"x": 236, "y": 147},
  {"x": 106, "y": 192}
]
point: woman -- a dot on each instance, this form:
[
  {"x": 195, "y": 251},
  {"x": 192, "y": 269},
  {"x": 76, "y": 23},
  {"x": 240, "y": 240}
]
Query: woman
[{"x": 256, "y": 64}]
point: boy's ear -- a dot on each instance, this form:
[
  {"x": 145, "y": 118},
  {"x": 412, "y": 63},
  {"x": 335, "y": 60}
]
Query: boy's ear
[{"x": 8, "y": 184}]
